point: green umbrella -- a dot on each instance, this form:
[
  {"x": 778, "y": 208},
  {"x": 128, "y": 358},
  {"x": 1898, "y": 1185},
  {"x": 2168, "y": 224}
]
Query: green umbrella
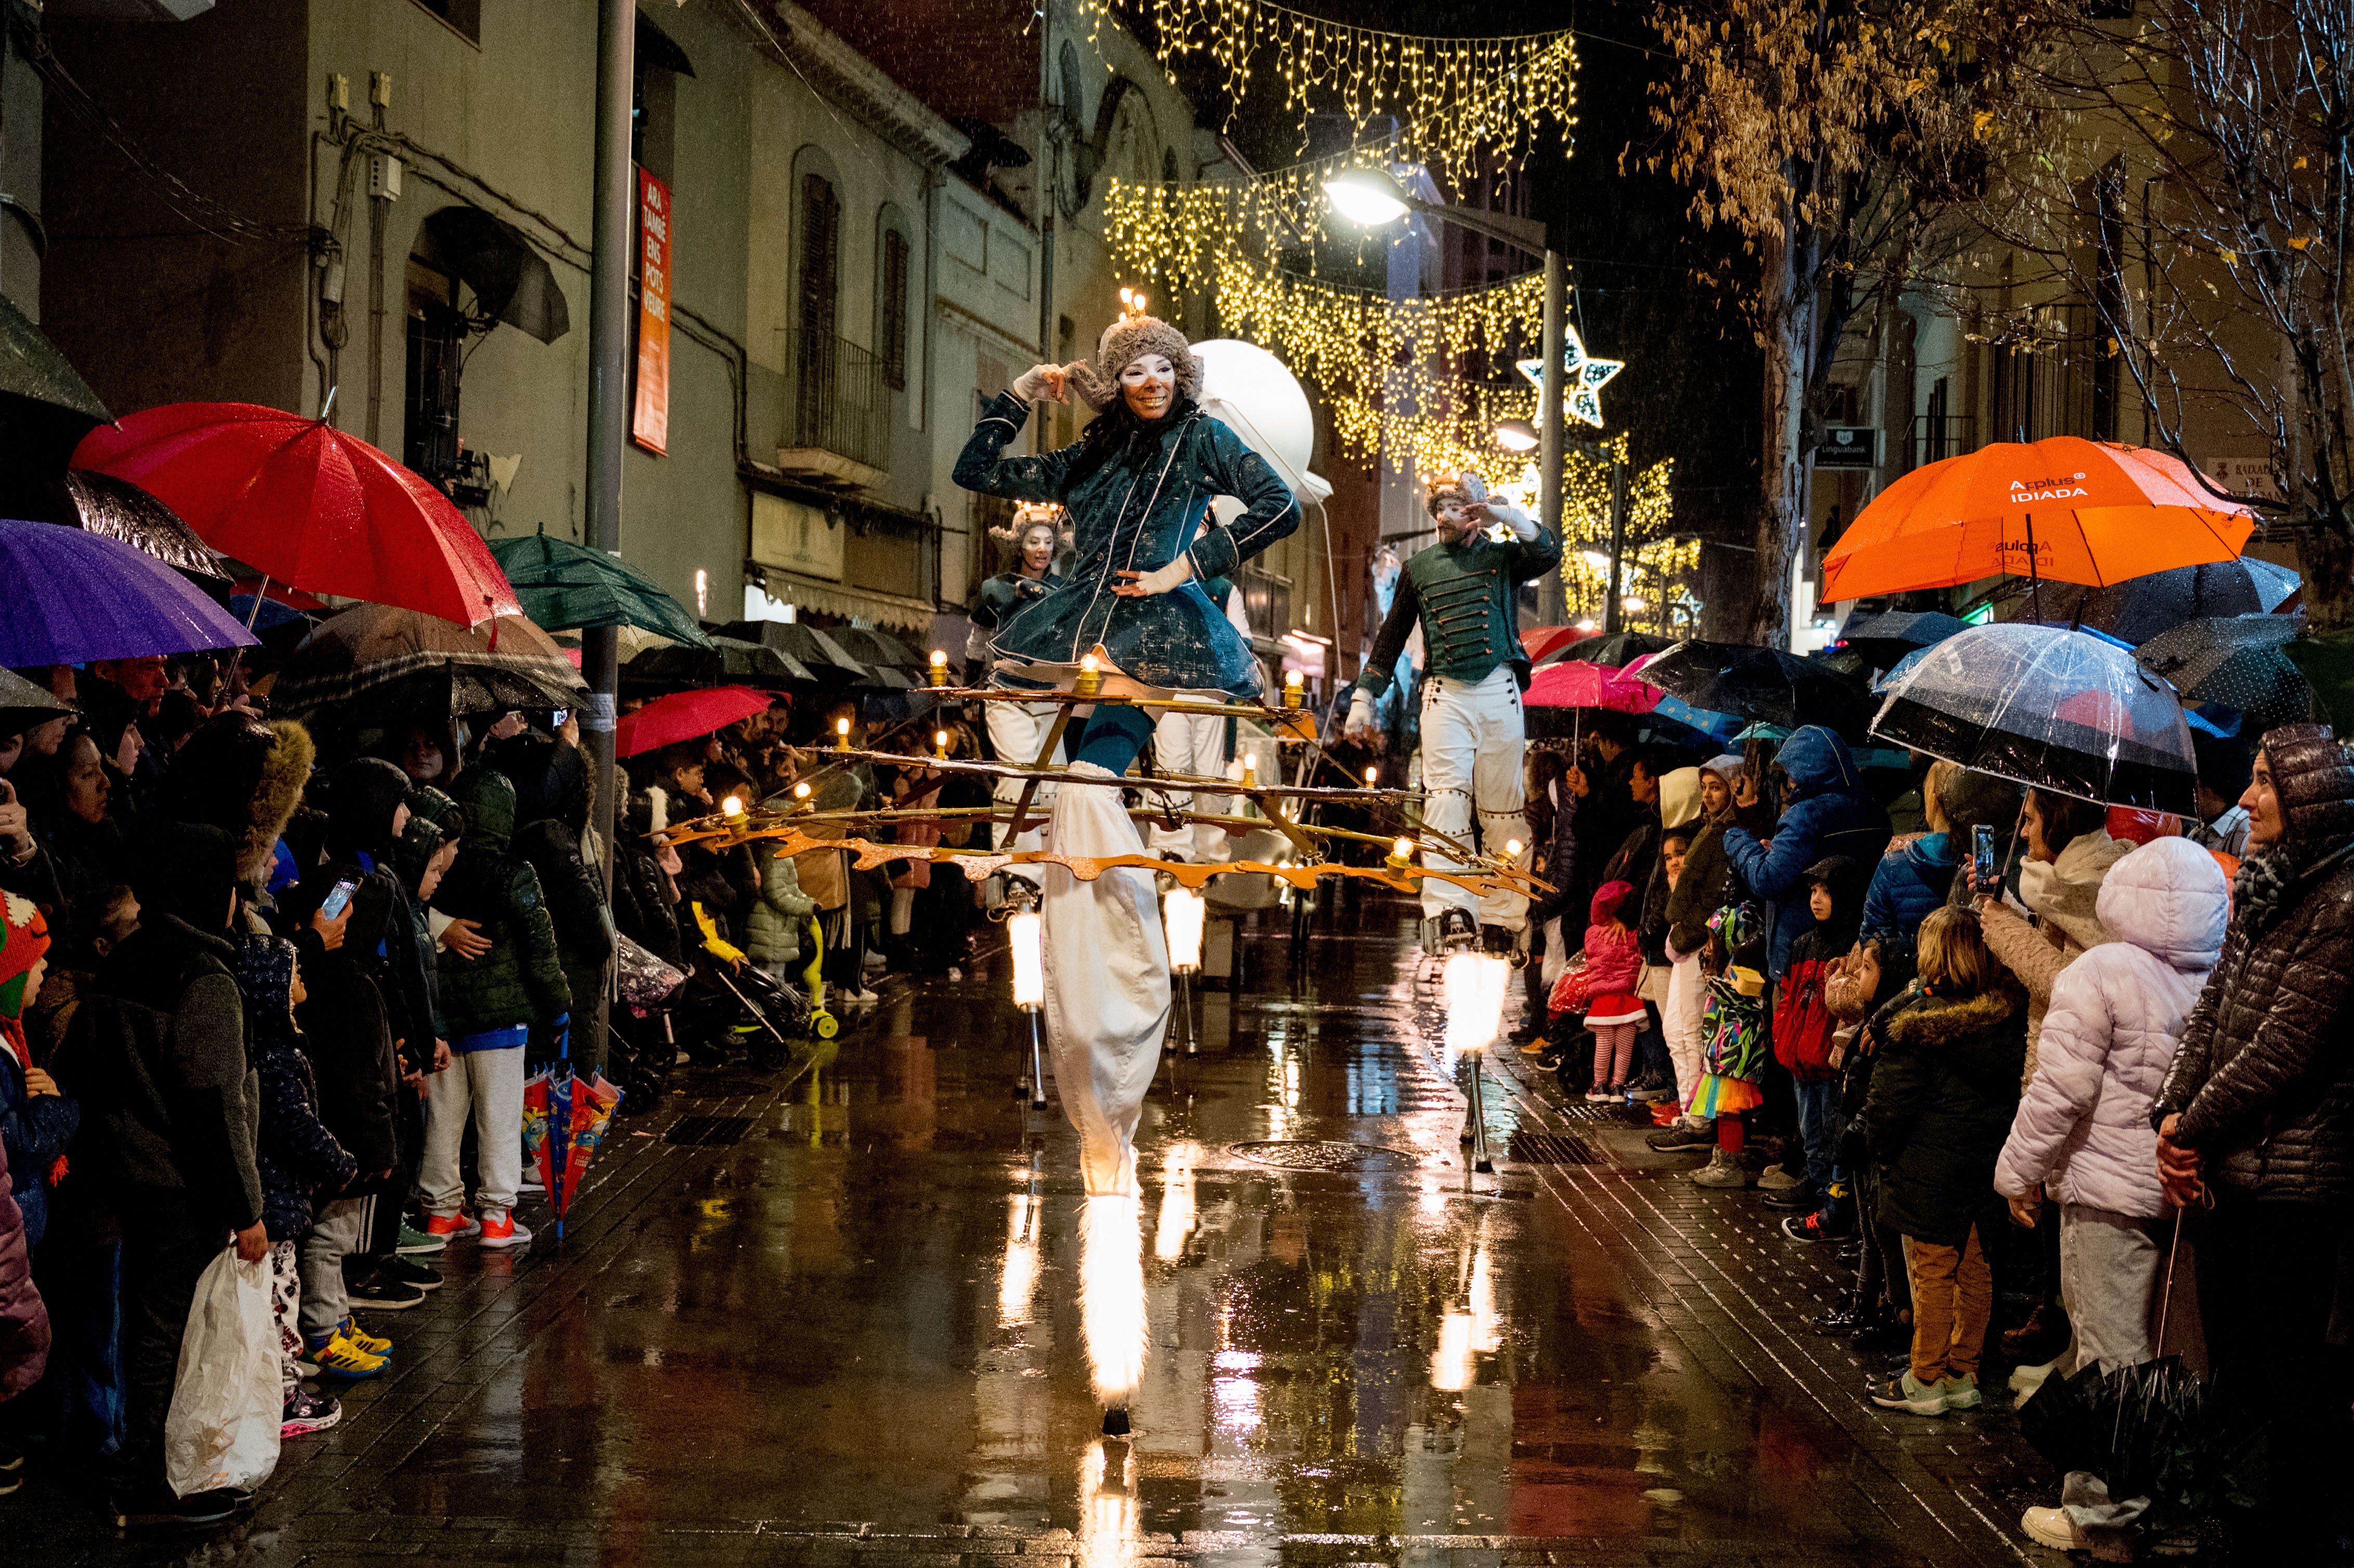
[{"x": 564, "y": 586}]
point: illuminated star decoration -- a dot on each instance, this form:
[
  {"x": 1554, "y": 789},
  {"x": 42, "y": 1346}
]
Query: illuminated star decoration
[{"x": 1586, "y": 378}]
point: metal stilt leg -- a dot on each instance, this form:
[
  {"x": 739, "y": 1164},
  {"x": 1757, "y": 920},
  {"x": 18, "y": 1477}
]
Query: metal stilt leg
[
  {"x": 1193, "y": 1026},
  {"x": 1037, "y": 1064},
  {"x": 1477, "y": 1112}
]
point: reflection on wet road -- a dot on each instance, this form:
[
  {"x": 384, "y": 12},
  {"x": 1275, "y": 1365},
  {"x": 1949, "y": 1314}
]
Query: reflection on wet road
[{"x": 864, "y": 1313}]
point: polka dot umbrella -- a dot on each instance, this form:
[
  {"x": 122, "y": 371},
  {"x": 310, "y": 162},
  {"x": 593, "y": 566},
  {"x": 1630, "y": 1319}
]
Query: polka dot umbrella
[{"x": 2235, "y": 661}]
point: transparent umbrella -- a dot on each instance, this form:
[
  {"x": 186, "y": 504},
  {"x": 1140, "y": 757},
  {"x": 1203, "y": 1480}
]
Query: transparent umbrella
[{"x": 2065, "y": 711}]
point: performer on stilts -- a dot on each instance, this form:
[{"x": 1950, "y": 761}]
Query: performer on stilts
[
  {"x": 1136, "y": 486},
  {"x": 1016, "y": 730},
  {"x": 1461, "y": 592}
]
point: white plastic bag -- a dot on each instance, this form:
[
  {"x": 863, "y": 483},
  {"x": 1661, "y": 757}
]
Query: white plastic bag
[{"x": 222, "y": 1430}]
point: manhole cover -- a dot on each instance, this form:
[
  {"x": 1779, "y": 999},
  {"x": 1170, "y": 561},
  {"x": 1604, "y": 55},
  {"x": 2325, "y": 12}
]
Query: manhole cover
[{"x": 1310, "y": 1154}]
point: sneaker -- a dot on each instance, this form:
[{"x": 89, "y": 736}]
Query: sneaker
[
  {"x": 863, "y": 997},
  {"x": 421, "y": 1276},
  {"x": 2027, "y": 1380},
  {"x": 1684, "y": 1134},
  {"x": 1910, "y": 1395},
  {"x": 452, "y": 1227},
  {"x": 1723, "y": 1170},
  {"x": 372, "y": 1344},
  {"x": 1812, "y": 1228},
  {"x": 1604, "y": 1096},
  {"x": 413, "y": 1240},
  {"x": 338, "y": 1357},
  {"x": 1962, "y": 1392},
  {"x": 308, "y": 1412},
  {"x": 382, "y": 1293},
  {"x": 159, "y": 1509},
  {"x": 1774, "y": 1179},
  {"x": 1536, "y": 1047},
  {"x": 501, "y": 1231},
  {"x": 1645, "y": 1096},
  {"x": 2051, "y": 1526},
  {"x": 2041, "y": 1338},
  {"x": 1791, "y": 1199}
]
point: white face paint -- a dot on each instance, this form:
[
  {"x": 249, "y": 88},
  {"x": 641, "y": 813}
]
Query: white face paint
[
  {"x": 1037, "y": 549},
  {"x": 1149, "y": 385}
]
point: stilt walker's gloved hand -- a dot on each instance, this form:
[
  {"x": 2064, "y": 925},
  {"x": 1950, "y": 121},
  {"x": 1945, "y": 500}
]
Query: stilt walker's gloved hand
[
  {"x": 1360, "y": 721},
  {"x": 1493, "y": 510}
]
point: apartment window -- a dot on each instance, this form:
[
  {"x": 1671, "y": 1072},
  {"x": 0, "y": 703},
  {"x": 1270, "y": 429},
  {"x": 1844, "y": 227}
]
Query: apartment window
[
  {"x": 820, "y": 253},
  {"x": 463, "y": 17},
  {"x": 891, "y": 341}
]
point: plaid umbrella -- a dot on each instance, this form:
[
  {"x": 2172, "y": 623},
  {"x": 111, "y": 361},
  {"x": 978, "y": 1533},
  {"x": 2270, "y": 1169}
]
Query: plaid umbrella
[
  {"x": 2237, "y": 661},
  {"x": 510, "y": 663}
]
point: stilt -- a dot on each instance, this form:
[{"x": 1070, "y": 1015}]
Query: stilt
[
  {"x": 1477, "y": 1133},
  {"x": 1037, "y": 1064}
]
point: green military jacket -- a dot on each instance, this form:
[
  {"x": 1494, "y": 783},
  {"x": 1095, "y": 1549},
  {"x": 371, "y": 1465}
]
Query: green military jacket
[{"x": 1462, "y": 595}]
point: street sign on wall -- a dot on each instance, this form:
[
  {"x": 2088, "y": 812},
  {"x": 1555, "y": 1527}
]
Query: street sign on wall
[{"x": 650, "y": 419}]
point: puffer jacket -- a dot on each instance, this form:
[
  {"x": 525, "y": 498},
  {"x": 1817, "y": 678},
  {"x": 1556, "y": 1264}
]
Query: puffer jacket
[
  {"x": 553, "y": 808},
  {"x": 521, "y": 979},
  {"x": 1909, "y": 883},
  {"x": 2261, "y": 1078},
  {"x": 299, "y": 1161},
  {"x": 773, "y": 930},
  {"x": 2065, "y": 896},
  {"x": 23, "y": 1319},
  {"x": 1831, "y": 815},
  {"x": 2082, "y": 1128},
  {"x": 37, "y": 1130},
  {"x": 1613, "y": 965},
  {"x": 1942, "y": 1094}
]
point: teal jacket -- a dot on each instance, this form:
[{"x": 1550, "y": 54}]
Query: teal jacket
[{"x": 521, "y": 979}]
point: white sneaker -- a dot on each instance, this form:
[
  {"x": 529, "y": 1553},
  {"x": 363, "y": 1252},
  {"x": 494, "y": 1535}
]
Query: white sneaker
[
  {"x": 2051, "y": 1526},
  {"x": 864, "y": 997},
  {"x": 1777, "y": 1179},
  {"x": 955, "y": 973},
  {"x": 2025, "y": 1380}
]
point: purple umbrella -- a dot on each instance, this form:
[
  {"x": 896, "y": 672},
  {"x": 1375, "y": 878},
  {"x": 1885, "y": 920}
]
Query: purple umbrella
[{"x": 73, "y": 597}]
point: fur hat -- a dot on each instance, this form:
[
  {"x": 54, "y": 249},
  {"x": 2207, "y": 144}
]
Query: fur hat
[
  {"x": 2313, "y": 781},
  {"x": 1125, "y": 342},
  {"x": 246, "y": 778}
]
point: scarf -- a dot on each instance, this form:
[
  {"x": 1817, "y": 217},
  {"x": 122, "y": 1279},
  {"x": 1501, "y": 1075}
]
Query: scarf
[{"x": 2270, "y": 879}]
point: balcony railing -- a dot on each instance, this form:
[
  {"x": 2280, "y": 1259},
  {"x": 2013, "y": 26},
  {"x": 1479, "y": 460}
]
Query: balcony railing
[
  {"x": 1936, "y": 437},
  {"x": 841, "y": 400}
]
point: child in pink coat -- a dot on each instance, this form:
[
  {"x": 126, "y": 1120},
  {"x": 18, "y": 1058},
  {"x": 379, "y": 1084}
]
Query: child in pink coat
[{"x": 1614, "y": 965}]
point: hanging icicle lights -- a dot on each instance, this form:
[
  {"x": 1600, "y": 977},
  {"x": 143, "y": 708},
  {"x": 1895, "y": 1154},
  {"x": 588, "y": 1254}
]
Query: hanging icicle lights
[{"x": 1461, "y": 103}]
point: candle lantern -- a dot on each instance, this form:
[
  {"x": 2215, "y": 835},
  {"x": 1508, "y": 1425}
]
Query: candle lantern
[
  {"x": 1027, "y": 936},
  {"x": 1090, "y": 681},
  {"x": 1182, "y": 912}
]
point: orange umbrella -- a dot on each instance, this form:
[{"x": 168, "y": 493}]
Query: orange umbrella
[{"x": 2070, "y": 509}]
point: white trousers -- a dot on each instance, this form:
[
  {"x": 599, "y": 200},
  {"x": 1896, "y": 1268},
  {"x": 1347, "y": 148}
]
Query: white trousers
[
  {"x": 1473, "y": 742},
  {"x": 1193, "y": 744},
  {"x": 1681, "y": 1016},
  {"x": 1016, "y": 731},
  {"x": 487, "y": 1087},
  {"x": 1107, "y": 966}
]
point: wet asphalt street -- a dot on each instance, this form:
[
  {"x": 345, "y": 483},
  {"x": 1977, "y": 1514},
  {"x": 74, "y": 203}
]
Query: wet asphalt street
[{"x": 838, "y": 1322}]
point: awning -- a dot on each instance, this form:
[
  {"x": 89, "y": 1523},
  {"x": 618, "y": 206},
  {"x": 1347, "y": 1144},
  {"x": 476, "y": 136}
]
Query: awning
[{"x": 896, "y": 611}]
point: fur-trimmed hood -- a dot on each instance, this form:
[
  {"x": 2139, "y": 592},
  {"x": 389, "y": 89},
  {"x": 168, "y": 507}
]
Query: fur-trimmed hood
[
  {"x": 246, "y": 778},
  {"x": 1931, "y": 1021}
]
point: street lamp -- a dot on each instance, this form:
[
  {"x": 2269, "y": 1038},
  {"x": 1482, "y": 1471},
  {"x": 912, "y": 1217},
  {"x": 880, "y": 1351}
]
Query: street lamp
[{"x": 1376, "y": 197}]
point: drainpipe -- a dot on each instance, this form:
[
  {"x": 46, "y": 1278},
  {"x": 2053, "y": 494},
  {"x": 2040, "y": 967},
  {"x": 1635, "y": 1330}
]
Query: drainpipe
[{"x": 1048, "y": 195}]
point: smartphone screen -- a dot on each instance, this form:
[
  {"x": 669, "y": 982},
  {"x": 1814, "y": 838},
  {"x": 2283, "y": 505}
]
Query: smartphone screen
[
  {"x": 338, "y": 897},
  {"x": 1983, "y": 847}
]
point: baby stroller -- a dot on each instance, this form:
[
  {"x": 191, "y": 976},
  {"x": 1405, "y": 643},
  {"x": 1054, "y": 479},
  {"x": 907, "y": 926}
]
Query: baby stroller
[{"x": 778, "y": 1013}]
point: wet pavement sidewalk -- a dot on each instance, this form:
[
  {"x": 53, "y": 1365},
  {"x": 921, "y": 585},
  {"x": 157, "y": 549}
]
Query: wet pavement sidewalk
[{"x": 839, "y": 1322}]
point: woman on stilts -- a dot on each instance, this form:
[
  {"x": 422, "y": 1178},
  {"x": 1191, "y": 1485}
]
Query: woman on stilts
[{"x": 1137, "y": 485}]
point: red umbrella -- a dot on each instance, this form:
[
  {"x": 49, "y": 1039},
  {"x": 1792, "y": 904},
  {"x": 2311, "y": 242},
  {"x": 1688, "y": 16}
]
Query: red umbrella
[
  {"x": 684, "y": 715},
  {"x": 1573, "y": 684},
  {"x": 306, "y": 505}
]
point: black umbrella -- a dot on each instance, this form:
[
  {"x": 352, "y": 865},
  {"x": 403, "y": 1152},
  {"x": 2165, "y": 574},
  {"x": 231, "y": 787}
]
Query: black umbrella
[
  {"x": 1883, "y": 638},
  {"x": 24, "y": 704},
  {"x": 46, "y": 408},
  {"x": 1617, "y": 649},
  {"x": 823, "y": 660},
  {"x": 728, "y": 660},
  {"x": 894, "y": 663},
  {"x": 102, "y": 504},
  {"x": 1760, "y": 683},
  {"x": 2139, "y": 608},
  {"x": 2237, "y": 661},
  {"x": 512, "y": 282}
]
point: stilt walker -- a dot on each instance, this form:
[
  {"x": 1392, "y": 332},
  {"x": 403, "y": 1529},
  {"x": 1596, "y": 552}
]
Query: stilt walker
[
  {"x": 1016, "y": 730},
  {"x": 1131, "y": 620},
  {"x": 1461, "y": 593}
]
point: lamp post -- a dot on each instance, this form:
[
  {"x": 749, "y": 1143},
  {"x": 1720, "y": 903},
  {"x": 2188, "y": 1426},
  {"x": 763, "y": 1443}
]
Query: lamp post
[{"x": 1375, "y": 198}]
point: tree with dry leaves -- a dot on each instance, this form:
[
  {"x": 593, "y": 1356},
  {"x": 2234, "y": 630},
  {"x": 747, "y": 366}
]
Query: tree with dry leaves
[
  {"x": 1834, "y": 138},
  {"x": 2188, "y": 170}
]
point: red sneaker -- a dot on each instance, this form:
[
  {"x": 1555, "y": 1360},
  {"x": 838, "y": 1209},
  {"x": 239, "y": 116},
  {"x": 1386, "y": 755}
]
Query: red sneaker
[
  {"x": 500, "y": 1230},
  {"x": 450, "y": 1227}
]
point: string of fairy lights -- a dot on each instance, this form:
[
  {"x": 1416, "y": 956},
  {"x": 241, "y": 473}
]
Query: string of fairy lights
[{"x": 1462, "y": 104}]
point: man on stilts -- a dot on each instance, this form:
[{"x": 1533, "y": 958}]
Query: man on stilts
[{"x": 1461, "y": 592}]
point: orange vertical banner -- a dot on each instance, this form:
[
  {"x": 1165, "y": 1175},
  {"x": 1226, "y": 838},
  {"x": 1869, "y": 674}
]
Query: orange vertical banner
[{"x": 649, "y": 420}]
